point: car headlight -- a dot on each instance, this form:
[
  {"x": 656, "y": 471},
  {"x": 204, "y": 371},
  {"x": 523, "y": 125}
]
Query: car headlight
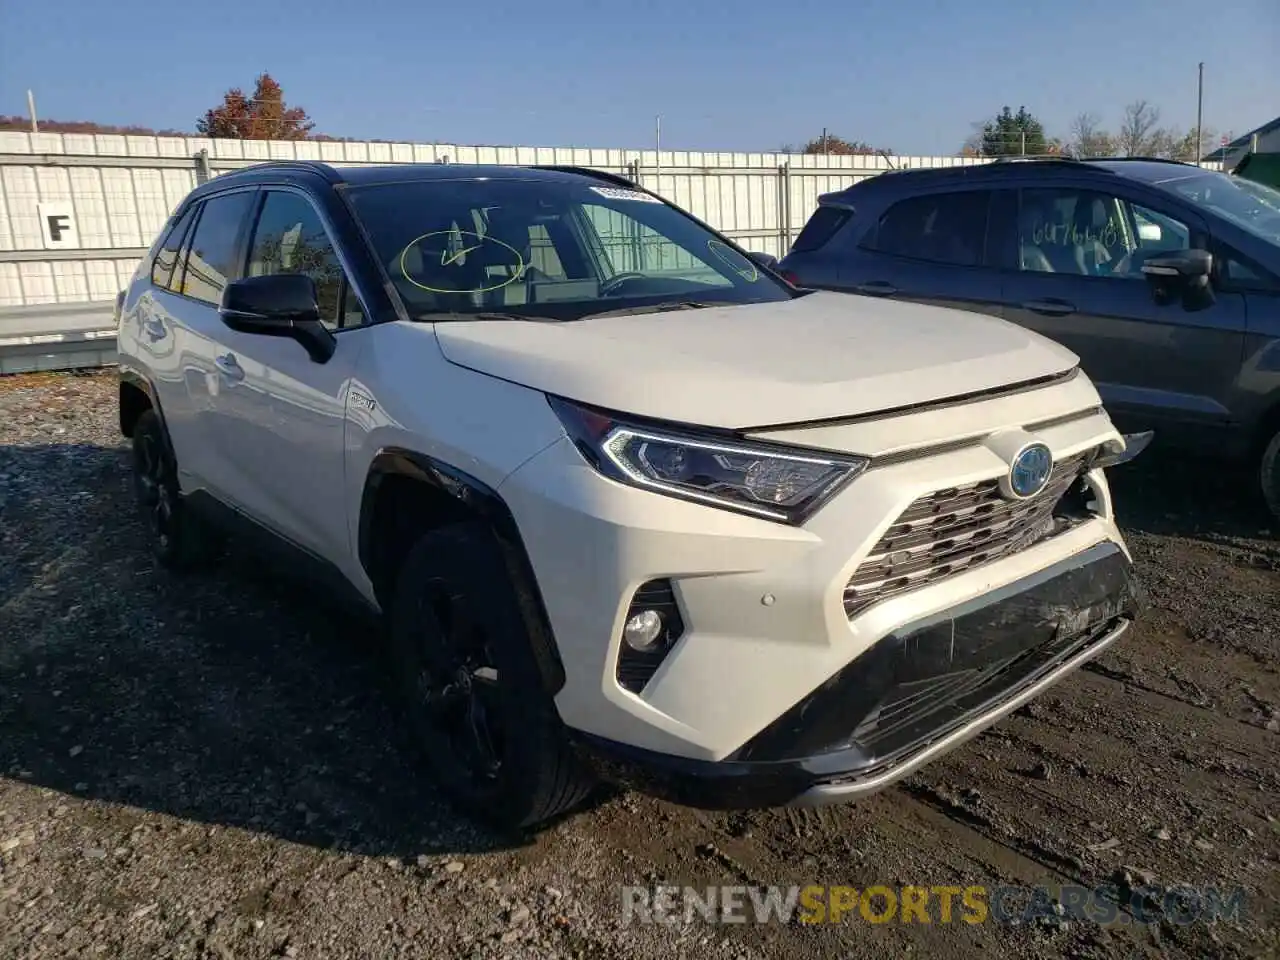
[{"x": 774, "y": 482}]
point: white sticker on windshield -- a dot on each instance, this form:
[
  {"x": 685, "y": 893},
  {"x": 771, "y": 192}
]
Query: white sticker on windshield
[{"x": 617, "y": 193}]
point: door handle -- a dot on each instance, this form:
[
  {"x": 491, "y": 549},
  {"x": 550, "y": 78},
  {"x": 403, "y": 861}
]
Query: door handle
[
  {"x": 877, "y": 288},
  {"x": 228, "y": 367},
  {"x": 154, "y": 329},
  {"x": 1052, "y": 308}
]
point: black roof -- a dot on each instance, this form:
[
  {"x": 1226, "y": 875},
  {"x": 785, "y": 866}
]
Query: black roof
[
  {"x": 1149, "y": 170},
  {"x": 408, "y": 172}
]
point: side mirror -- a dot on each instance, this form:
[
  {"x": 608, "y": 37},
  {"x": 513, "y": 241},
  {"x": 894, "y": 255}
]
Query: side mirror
[
  {"x": 1186, "y": 265},
  {"x": 279, "y": 305},
  {"x": 766, "y": 260}
]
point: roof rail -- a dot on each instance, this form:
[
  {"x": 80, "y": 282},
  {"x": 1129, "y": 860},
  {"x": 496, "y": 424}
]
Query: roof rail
[
  {"x": 1183, "y": 163},
  {"x": 1037, "y": 157},
  {"x": 614, "y": 178},
  {"x": 314, "y": 166}
]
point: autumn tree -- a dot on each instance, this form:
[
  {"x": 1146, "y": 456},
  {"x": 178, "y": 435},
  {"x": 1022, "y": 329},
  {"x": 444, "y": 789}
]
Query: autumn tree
[
  {"x": 264, "y": 116},
  {"x": 838, "y": 146}
]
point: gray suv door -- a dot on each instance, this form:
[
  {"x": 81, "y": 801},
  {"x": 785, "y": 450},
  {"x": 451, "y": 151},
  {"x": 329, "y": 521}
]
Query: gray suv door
[
  {"x": 930, "y": 248},
  {"x": 1073, "y": 256}
]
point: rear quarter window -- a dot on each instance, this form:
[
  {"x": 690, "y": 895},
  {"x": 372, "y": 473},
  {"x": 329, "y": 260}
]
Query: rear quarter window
[{"x": 822, "y": 226}]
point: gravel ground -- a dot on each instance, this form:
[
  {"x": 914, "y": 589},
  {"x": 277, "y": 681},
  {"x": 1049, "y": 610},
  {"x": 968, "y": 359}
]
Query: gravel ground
[{"x": 208, "y": 767}]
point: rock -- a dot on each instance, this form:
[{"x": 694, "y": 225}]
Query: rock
[
  {"x": 10, "y": 844},
  {"x": 1162, "y": 834},
  {"x": 1202, "y": 844},
  {"x": 553, "y": 893},
  {"x": 75, "y": 751},
  {"x": 95, "y": 853},
  {"x": 454, "y": 866},
  {"x": 1042, "y": 771},
  {"x": 511, "y": 936},
  {"x": 423, "y": 861},
  {"x": 519, "y": 915}
]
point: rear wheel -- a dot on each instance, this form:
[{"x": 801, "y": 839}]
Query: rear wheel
[
  {"x": 178, "y": 539},
  {"x": 471, "y": 688},
  {"x": 1269, "y": 475}
]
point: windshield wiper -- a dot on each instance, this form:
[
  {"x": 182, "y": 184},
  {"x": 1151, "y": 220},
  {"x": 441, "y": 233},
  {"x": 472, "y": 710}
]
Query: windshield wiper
[
  {"x": 447, "y": 316},
  {"x": 652, "y": 308}
]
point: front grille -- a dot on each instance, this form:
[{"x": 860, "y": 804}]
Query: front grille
[{"x": 957, "y": 529}]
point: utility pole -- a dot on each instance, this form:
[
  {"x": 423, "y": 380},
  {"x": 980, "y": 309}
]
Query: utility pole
[
  {"x": 657, "y": 153},
  {"x": 1200, "y": 116},
  {"x": 1023, "y": 138},
  {"x": 31, "y": 108},
  {"x": 824, "y": 141}
]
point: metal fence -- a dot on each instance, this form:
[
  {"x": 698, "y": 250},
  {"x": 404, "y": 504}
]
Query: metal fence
[{"x": 77, "y": 211}]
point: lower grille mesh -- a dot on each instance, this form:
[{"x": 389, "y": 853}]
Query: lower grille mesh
[{"x": 953, "y": 530}]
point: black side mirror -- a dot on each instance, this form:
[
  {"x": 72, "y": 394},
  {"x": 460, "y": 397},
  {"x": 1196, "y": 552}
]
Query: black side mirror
[
  {"x": 1190, "y": 268},
  {"x": 279, "y": 305},
  {"x": 1185, "y": 272},
  {"x": 766, "y": 260}
]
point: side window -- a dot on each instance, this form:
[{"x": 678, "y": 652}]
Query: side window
[
  {"x": 211, "y": 262},
  {"x": 167, "y": 256},
  {"x": 290, "y": 238},
  {"x": 941, "y": 228},
  {"x": 822, "y": 226},
  {"x": 1240, "y": 273},
  {"x": 1091, "y": 234}
]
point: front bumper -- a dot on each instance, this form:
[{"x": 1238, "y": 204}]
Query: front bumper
[{"x": 918, "y": 692}]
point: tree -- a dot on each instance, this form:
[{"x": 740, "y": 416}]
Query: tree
[
  {"x": 1010, "y": 134},
  {"x": 1088, "y": 139},
  {"x": 263, "y": 116},
  {"x": 1138, "y": 136},
  {"x": 23, "y": 124},
  {"x": 838, "y": 146},
  {"x": 829, "y": 144}
]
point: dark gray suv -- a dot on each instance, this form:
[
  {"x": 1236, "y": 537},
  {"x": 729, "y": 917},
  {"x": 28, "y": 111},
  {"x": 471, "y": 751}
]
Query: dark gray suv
[{"x": 1163, "y": 277}]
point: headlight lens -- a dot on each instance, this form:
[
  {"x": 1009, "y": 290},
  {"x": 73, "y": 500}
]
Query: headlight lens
[{"x": 775, "y": 483}]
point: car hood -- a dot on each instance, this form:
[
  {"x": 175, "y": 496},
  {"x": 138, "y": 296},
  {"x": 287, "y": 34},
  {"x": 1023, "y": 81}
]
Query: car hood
[{"x": 815, "y": 357}]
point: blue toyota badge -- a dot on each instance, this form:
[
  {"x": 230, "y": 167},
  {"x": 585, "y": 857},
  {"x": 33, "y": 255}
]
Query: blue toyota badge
[{"x": 1029, "y": 472}]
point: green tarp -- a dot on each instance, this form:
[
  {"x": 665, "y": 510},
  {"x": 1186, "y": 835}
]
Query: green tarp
[{"x": 1260, "y": 168}]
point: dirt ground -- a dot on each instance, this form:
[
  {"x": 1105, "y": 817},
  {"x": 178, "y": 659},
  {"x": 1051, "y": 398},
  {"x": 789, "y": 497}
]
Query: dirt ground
[{"x": 208, "y": 767}]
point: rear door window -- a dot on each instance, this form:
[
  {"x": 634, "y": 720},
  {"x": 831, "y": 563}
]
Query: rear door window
[
  {"x": 167, "y": 256},
  {"x": 213, "y": 260},
  {"x": 946, "y": 228}
]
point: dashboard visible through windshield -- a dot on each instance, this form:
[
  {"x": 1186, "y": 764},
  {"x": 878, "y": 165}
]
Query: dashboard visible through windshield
[{"x": 549, "y": 249}]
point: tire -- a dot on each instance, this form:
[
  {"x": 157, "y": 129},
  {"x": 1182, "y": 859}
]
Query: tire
[
  {"x": 1269, "y": 475},
  {"x": 470, "y": 686},
  {"x": 179, "y": 541}
]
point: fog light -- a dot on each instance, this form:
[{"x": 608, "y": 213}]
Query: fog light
[{"x": 643, "y": 631}]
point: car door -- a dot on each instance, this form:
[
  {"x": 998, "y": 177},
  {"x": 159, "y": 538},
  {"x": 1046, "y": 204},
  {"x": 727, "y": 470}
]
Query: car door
[
  {"x": 1074, "y": 255},
  {"x": 277, "y": 421},
  {"x": 929, "y": 248},
  {"x": 185, "y": 324}
]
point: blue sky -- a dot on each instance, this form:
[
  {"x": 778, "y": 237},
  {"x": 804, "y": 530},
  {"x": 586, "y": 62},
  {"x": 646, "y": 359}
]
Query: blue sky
[{"x": 911, "y": 75}]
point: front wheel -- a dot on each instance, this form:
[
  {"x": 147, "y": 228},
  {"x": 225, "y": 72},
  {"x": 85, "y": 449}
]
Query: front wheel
[
  {"x": 1269, "y": 475},
  {"x": 471, "y": 687}
]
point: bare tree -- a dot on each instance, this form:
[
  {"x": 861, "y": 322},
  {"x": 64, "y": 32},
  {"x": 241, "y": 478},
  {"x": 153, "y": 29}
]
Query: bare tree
[
  {"x": 1136, "y": 130},
  {"x": 1088, "y": 139}
]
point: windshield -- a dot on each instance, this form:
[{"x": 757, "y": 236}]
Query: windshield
[
  {"x": 1250, "y": 205},
  {"x": 550, "y": 249}
]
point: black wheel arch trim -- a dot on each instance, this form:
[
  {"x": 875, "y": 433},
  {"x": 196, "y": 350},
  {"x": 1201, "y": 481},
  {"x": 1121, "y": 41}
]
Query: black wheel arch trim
[
  {"x": 140, "y": 381},
  {"x": 483, "y": 500}
]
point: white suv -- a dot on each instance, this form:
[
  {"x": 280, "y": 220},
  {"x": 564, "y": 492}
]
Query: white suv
[{"x": 631, "y": 505}]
